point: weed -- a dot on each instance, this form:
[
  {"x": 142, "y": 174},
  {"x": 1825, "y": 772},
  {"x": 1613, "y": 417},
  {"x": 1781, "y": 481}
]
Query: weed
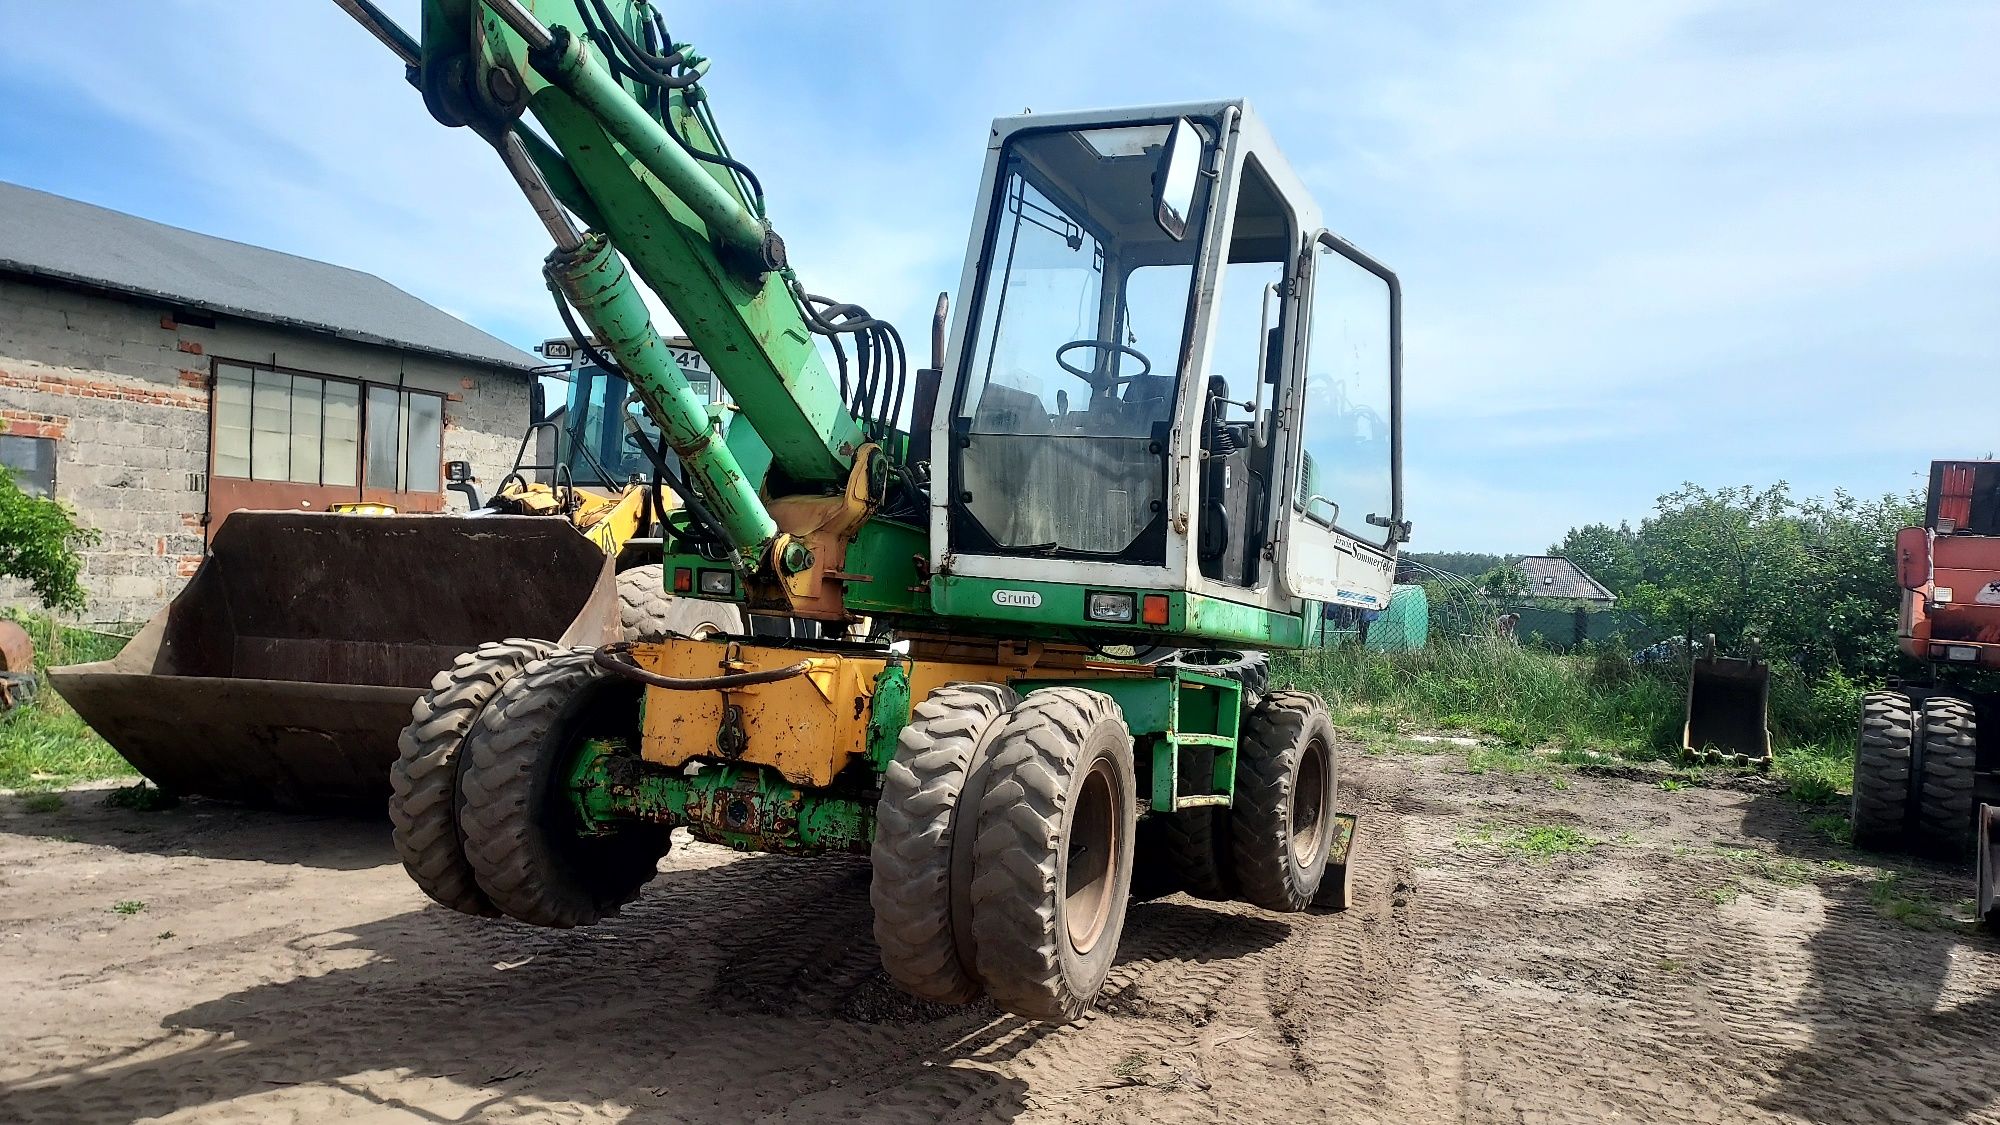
[
  {"x": 1543, "y": 842},
  {"x": 1672, "y": 784},
  {"x": 1724, "y": 894},
  {"x": 1815, "y": 775},
  {"x": 140, "y": 798},
  {"x": 163, "y": 935},
  {"x": 1131, "y": 1066},
  {"x": 1836, "y": 865},
  {"x": 1560, "y": 784},
  {"x": 1627, "y": 839},
  {"x": 128, "y": 906},
  {"x": 43, "y": 802},
  {"x": 1835, "y": 828},
  {"x": 1669, "y": 965},
  {"x": 1908, "y": 905}
]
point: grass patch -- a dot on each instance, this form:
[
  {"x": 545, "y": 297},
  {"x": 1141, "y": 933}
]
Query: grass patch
[
  {"x": 1834, "y": 828},
  {"x": 1516, "y": 696},
  {"x": 128, "y": 906},
  {"x": 44, "y": 746},
  {"x": 1534, "y": 709},
  {"x": 1899, "y": 902},
  {"x": 43, "y": 802},
  {"x": 1542, "y": 841},
  {"x": 1817, "y": 774},
  {"x": 140, "y": 798}
]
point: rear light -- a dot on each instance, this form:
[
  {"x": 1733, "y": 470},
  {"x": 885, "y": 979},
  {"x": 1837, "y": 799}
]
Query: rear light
[
  {"x": 683, "y": 580},
  {"x": 1965, "y": 654},
  {"x": 1154, "y": 610}
]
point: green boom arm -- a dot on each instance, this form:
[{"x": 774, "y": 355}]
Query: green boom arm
[{"x": 626, "y": 157}]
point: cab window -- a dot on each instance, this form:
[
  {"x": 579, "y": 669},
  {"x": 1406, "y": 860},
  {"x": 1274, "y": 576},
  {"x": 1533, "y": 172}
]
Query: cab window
[{"x": 1346, "y": 468}]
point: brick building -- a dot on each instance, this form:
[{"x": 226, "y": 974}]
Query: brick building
[{"x": 157, "y": 379}]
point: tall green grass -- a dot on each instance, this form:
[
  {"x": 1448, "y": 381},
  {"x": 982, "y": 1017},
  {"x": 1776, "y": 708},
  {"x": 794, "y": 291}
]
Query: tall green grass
[
  {"x": 1530, "y": 698},
  {"x": 44, "y": 745}
]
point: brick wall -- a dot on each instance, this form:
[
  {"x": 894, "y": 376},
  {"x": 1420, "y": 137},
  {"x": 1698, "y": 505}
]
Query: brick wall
[{"x": 122, "y": 387}]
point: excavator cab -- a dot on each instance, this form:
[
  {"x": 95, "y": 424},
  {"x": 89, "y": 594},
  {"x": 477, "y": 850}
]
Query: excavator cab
[{"x": 1170, "y": 385}]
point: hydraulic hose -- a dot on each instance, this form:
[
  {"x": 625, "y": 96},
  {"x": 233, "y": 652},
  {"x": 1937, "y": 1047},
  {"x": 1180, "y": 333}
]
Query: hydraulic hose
[{"x": 617, "y": 659}]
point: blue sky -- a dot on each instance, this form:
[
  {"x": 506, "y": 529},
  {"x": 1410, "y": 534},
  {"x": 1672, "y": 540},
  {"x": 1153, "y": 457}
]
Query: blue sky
[{"x": 1640, "y": 243}]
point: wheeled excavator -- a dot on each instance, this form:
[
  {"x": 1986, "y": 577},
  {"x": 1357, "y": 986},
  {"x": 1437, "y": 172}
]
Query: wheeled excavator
[{"x": 1164, "y": 414}]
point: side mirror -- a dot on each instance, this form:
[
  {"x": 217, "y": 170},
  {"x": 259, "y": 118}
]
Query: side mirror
[
  {"x": 538, "y": 402},
  {"x": 1175, "y": 179},
  {"x": 1913, "y": 558},
  {"x": 457, "y": 472}
]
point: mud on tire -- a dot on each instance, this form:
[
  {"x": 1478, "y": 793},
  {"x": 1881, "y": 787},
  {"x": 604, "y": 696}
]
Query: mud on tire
[
  {"x": 918, "y": 822},
  {"x": 423, "y": 800},
  {"x": 1944, "y": 822},
  {"x": 520, "y": 829},
  {"x": 647, "y": 612},
  {"x": 1283, "y": 818},
  {"x": 1880, "y": 810},
  {"x": 1053, "y": 860}
]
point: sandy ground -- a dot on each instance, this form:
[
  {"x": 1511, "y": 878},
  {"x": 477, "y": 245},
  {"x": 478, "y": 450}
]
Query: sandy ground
[{"x": 1710, "y": 959}]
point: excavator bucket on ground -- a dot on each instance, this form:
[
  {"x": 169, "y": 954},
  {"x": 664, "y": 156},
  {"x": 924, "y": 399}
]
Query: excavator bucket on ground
[
  {"x": 1728, "y": 711},
  {"x": 284, "y": 671}
]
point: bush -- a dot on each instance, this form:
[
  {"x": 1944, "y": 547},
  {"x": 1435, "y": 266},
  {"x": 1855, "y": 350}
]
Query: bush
[{"x": 41, "y": 543}]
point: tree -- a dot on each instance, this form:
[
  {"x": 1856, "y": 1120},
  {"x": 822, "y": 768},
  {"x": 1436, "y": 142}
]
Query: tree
[
  {"x": 41, "y": 544},
  {"x": 1812, "y": 583},
  {"x": 1608, "y": 554}
]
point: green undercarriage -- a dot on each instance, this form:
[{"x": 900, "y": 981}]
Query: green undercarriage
[{"x": 1184, "y": 728}]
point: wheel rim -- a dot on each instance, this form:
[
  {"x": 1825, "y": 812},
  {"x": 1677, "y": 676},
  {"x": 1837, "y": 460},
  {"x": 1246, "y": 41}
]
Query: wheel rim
[
  {"x": 1309, "y": 803},
  {"x": 1089, "y": 875}
]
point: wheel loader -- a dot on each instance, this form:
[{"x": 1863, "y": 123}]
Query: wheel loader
[
  {"x": 1164, "y": 413},
  {"x": 285, "y": 671},
  {"x": 1927, "y": 763}
]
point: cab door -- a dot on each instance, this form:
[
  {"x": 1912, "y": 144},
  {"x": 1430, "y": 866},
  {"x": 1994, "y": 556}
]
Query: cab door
[{"x": 1343, "y": 420}]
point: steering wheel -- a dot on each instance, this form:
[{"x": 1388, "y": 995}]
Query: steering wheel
[{"x": 1091, "y": 377}]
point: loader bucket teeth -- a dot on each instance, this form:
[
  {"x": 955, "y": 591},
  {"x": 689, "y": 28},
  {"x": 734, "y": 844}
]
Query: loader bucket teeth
[{"x": 283, "y": 672}]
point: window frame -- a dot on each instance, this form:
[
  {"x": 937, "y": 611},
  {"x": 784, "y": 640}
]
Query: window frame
[
  {"x": 358, "y": 484},
  {"x": 23, "y": 478},
  {"x": 1301, "y": 507}
]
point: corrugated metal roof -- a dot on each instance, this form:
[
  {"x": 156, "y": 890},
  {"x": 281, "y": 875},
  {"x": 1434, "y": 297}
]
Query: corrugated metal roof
[
  {"x": 44, "y": 235},
  {"x": 1550, "y": 576}
]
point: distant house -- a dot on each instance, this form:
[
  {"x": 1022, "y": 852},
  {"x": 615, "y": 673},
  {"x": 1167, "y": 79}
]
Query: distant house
[{"x": 1555, "y": 579}]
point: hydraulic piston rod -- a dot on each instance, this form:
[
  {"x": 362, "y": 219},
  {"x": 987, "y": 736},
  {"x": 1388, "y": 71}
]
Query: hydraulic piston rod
[{"x": 593, "y": 278}]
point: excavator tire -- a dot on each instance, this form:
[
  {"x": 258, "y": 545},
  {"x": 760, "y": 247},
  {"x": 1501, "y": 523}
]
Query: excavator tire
[
  {"x": 1053, "y": 861},
  {"x": 423, "y": 799},
  {"x": 1282, "y": 821},
  {"x": 1196, "y": 846},
  {"x": 917, "y": 822},
  {"x": 647, "y": 612},
  {"x": 1945, "y": 805},
  {"x": 1880, "y": 812},
  {"x": 521, "y": 832}
]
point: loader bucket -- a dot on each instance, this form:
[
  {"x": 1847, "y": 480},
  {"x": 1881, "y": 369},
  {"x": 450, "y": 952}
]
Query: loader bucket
[
  {"x": 284, "y": 671},
  {"x": 1728, "y": 712}
]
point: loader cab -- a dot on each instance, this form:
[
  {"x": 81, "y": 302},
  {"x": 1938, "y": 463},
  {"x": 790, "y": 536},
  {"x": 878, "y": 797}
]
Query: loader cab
[
  {"x": 1167, "y": 376},
  {"x": 595, "y": 433}
]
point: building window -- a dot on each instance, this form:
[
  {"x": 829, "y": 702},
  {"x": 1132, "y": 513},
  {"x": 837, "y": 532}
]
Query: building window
[
  {"x": 275, "y": 425},
  {"x": 31, "y": 461}
]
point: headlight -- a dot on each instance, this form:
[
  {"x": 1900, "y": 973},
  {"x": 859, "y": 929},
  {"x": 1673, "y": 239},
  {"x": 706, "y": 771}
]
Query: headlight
[
  {"x": 1115, "y": 608},
  {"x": 718, "y": 583}
]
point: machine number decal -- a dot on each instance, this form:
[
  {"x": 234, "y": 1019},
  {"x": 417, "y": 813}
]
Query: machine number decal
[
  {"x": 1989, "y": 594},
  {"x": 1022, "y": 599}
]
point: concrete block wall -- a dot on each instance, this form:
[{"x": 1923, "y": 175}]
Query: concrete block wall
[{"x": 122, "y": 388}]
